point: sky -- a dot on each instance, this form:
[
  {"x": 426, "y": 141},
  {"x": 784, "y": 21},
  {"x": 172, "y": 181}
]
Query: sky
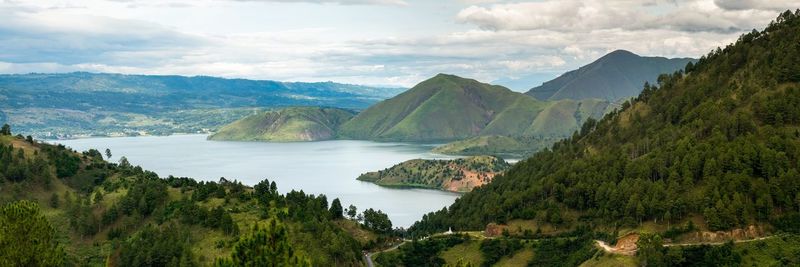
[{"x": 519, "y": 44}]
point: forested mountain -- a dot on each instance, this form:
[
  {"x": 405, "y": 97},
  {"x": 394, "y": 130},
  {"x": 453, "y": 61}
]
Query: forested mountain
[
  {"x": 63, "y": 208},
  {"x": 286, "y": 125},
  {"x": 448, "y": 107},
  {"x": 613, "y": 77},
  {"x": 101, "y": 103},
  {"x": 718, "y": 141}
]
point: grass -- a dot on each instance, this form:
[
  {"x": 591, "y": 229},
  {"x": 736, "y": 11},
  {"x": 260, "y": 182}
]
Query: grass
[
  {"x": 778, "y": 251},
  {"x": 355, "y": 230},
  {"x": 521, "y": 258},
  {"x": 602, "y": 259},
  {"x": 468, "y": 251}
]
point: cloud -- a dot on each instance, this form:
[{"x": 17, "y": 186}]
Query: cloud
[
  {"x": 772, "y": 5},
  {"x": 514, "y": 43},
  {"x": 341, "y": 2},
  {"x": 44, "y": 36},
  {"x": 573, "y": 15}
]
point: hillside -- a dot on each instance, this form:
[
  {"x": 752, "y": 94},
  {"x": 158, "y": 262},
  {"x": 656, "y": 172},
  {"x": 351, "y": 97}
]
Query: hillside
[
  {"x": 515, "y": 147},
  {"x": 286, "y": 125},
  {"x": 613, "y": 77},
  {"x": 50, "y": 105},
  {"x": 458, "y": 175},
  {"x": 717, "y": 143},
  {"x": 63, "y": 208},
  {"x": 447, "y": 108}
]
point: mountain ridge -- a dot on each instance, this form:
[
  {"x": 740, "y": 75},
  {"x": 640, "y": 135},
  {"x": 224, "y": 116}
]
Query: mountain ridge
[{"x": 614, "y": 76}]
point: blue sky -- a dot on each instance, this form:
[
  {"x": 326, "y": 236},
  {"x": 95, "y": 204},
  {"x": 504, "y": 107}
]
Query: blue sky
[{"x": 377, "y": 42}]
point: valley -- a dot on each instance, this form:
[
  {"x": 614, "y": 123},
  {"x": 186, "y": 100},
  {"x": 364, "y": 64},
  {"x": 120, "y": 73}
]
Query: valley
[{"x": 669, "y": 156}]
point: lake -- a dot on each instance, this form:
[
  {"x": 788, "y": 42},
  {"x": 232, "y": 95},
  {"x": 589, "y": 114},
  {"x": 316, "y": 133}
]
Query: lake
[{"x": 326, "y": 167}]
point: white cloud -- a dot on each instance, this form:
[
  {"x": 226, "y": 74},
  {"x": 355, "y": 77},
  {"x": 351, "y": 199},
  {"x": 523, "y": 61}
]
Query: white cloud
[
  {"x": 495, "y": 40},
  {"x": 342, "y": 2}
]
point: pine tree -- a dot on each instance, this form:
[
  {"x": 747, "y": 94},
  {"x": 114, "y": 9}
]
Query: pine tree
[
  {"x": 268, "y": 246},
  {"x": 27, "y": 238}
]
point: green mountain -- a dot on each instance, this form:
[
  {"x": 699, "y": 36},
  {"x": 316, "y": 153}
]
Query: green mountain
[
  {"x": 457, "y": 175},
  {"x": 444, "y": 107},
  {"x": 716, "y": 144},
  {"x": 286, "y": 125},
  {"x": 69, "y": 104},
  {"x": 448, "y": 107},
  {"x": 59, "y": 207},
  {"x": 494, "y": 145},
  {"x": 615, "y": 76}
]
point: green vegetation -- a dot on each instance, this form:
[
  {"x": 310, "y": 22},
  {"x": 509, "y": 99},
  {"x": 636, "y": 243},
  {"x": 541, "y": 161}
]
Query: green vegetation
[
  {"x": 27, "y": 238},
  {"x": 286, "y": 125},
  {"x": 61, "y": 207},
  {"x": 494, "y": 145},
  {"x": 86, "y": 104},
  {"x": 458, "y": 175},
  {"x": 613, "y": 77},
  {"x": 449, "y": 108},
  {"x": 692, "y": 146}
]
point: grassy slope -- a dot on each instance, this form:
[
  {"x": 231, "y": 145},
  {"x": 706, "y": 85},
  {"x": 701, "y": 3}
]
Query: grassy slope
[
  {"x": 444, "y": 107},
  {"x": 205, "y": 242},
  {"x": 620, "y": 74},
  {"x": 285, "y": 125}
]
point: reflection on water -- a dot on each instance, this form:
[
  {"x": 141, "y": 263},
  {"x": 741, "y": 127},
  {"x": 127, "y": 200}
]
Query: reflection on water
[{"x": 327, "y": 167}]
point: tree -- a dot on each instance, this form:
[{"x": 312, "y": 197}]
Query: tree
[
  {"x": 352, "y": 211},
  {"x": 336, "y": 209},
  {"x": 267, "y": 246},
  {"x": 54, "y": 200},
  {"x": 6, "y": 130},
  {"x": 108, "y": 153},
  {"x": 377, "y": 221},
  {"x": 123, "y": 162},
  {"x": 651, "y": 250},
  {"x": 27, "y": 238}
]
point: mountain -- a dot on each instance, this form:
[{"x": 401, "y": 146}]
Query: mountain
[
  {"x": 457, "y": 175},
  {"x": 286, "y": 125},
  {"x": 715, "y": 146},
  {"x": 82, "y": 103},
  {"x": 615, "y": 76},
  {"x": 494, "y": 145},
  {"x": 445, "y": 107}
]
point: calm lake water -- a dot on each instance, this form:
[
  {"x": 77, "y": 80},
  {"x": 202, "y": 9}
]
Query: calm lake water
[{"x": 327, "y": 167}]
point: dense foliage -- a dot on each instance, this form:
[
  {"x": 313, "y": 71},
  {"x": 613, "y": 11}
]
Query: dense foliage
[
  {"x": 27, "y": 238},
  {"x": 720, "y": 140},
  {"x": 122, "y": 215}
]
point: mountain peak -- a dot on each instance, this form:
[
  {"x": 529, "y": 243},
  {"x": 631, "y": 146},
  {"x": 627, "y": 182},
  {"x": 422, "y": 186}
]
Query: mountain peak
[{"x": 614, "y": 76}]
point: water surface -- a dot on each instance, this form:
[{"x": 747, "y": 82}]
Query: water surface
[{"x": 327, "y": 167}]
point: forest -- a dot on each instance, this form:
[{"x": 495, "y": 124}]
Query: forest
[
  {"x": 86, "y": 210},
  {"x": 720, "y": 139}
]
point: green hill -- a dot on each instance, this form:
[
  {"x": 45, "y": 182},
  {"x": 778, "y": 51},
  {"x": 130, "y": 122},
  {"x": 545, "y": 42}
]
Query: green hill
[
  {"x": 445, "y": 107},
  {"x": 717, "y": 143},
  {"x": 494, "y": 145},
  {"x": 615, "y": 76},
  {"x": 286, "y": 125},
  {"x": 458, "y": 175},
  {"x": 59, "y": 207},
  {"x": 448, "y": 107}
]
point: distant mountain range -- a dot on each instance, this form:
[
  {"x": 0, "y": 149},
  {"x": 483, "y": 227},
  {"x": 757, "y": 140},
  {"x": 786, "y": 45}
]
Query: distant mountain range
[
  {"x": 442, "y": 108},
  {"x": 617, "y": 75},
  {"x": 102, "y": 103}
]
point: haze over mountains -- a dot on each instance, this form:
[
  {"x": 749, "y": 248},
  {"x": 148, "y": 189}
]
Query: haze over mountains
[
  {"x": 102, "y": 104},
  {"x": 615, "y": 76}
]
